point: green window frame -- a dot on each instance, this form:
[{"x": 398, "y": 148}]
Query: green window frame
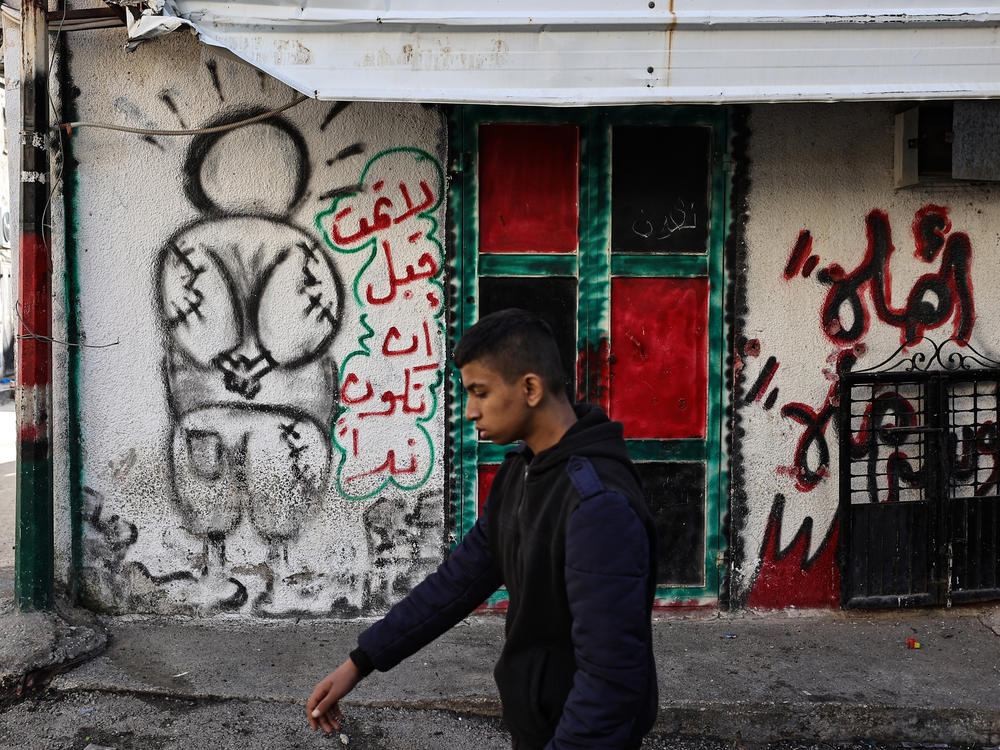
[{"x": 594, "y": 266}]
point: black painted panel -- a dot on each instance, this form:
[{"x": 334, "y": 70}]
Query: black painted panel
[
  {"x": 660, "y": 189},
  {"x": 976, "y": 554},
  {"x": 676, "y": 496},
  {"x": 893, "y": 537},
  {"x": 553, "y": 298}
]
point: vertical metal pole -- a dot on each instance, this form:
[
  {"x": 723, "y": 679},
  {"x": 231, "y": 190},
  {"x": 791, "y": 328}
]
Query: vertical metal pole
[{"x": 33, "y": 557}]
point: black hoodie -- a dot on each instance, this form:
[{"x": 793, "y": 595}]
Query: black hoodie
[{"x": 569, "y": 534}]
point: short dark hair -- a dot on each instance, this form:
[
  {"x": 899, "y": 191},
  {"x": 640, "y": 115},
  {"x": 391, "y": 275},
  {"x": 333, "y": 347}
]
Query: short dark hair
[{"x": 514, "y": 342}]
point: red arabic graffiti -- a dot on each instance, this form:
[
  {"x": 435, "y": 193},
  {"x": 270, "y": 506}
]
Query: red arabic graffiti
[
  {"x": 388, "y": 388},
  {"x": 382, "y": 217}
]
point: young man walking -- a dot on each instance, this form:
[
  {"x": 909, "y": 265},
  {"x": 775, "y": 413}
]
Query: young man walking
[{"x": 567, "y": 531}]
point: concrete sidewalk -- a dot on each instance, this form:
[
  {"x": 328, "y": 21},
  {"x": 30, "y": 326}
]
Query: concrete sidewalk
[{"x": 830, "y": 676}]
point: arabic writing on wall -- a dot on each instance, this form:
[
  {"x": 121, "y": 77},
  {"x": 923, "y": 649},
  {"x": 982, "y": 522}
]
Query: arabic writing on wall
[
  {"x": 934, "y": 299},
  {"x": 800, "y": 539},
  {"x": 388, "y": 388}
]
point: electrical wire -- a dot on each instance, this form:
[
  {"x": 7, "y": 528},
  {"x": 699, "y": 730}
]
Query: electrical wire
[
  {"x": 39, "y": 337},
  {"x": 68, "y": 127}
]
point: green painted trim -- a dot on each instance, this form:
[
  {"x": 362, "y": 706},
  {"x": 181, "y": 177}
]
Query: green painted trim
[
  {"x": 34, "y": 565},
  {"x": 719, "y": 541},
  {"x": 455, "y": 402},
  {"x": 74, "y": 430},
  {"x": 674, "y": 265},
  {"x": 468, "y": 295},
  {"x": 714, "y": 465},
  {"x": 490, "y": 453},
  {"x": 478, "y": 114},
  {"x": 500, "y": 596},
  {"x": 594, "y": 308},
  {"x": 536, "y": 264},
  {"x": 667, "y": 450}
]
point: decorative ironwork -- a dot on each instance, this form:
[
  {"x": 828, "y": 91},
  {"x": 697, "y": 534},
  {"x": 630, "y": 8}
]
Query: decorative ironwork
[{"x": 963, "y": 356}]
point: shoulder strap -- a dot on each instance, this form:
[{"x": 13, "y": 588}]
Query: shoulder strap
[{"x": 584, "y": 477}]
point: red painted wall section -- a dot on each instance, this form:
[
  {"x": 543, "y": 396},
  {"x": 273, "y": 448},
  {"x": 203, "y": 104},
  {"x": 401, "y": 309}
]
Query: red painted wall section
[
  {"x": 486, "y": 474},
  {"x": 659, "y": 356},
  {"x": 789, "y": 580},
  {"x": 528, "y": 188}
]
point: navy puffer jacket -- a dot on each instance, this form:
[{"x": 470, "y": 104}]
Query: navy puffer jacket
[{"x": 569, "y": 534}]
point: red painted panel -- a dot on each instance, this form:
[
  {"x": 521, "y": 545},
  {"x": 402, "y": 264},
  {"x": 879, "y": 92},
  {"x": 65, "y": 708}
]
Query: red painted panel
[
  {"x": 34, "y": 355},
  {"x": 789, "y": 579},
  {"x": 486, "y": 474},
  {"x": 659, "y": 356},
  {"x": 528, "y": 188}
]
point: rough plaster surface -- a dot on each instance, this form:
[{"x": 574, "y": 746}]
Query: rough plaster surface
[
  {"x": 824, "y": 169},
  {"x": 265, "y": 431}
]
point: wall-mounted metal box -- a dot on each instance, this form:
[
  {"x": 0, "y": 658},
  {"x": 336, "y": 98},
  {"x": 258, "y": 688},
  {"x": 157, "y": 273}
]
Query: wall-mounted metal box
[{"x": 942, "y": 142}]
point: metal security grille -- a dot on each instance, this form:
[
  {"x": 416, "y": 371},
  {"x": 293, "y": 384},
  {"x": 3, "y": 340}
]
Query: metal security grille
[
  {"x": 919, "y": 475},
  {"x": 972, "y": 500}
]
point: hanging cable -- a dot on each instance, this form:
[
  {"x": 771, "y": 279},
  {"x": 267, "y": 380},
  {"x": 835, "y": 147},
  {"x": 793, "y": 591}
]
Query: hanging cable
[{"x": 68, "y": 127}]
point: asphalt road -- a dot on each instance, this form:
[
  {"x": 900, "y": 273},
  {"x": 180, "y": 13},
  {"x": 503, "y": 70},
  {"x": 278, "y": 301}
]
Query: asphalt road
[{"x": 72, "y": 721}]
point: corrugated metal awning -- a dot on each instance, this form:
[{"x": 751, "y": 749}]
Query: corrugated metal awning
[{"x": 593, "y": 52}]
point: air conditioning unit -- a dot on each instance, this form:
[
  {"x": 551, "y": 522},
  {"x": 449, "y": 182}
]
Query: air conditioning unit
[{"x": 946, "y": 142}]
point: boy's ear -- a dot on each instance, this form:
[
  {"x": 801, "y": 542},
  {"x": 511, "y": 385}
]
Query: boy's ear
[{"x": 533, "y": 387}]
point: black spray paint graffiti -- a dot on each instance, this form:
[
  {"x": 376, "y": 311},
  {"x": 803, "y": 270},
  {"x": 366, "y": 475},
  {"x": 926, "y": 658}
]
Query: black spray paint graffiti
[
  {"x": 250, "y": 304},
  {"x": 108, "y": 539},
  {"x": 402, "y": 545},
  {"x": 901, "y": 453},
  {"x": 941, "y": 296},
  {"x": 399, "y": 534},
  {"x": 811, "y": 463},
  {"x": 887, "y": 421},
  {"x": 976, "y": 452},
  {"x": 933, "y": 299}
]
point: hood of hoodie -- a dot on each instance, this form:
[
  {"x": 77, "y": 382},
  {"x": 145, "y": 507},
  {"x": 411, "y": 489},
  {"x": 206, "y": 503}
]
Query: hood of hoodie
[{"x": 592, "y": 436}]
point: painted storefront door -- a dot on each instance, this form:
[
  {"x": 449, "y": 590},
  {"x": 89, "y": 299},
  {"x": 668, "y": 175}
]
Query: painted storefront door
[{"x": 609, "y": 224}]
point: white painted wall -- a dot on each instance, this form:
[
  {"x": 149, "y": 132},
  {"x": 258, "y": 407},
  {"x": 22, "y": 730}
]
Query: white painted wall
[
  {"x": 823, "y": 168},
  {"x": 210, "y": 482},
  {"x": 228, "y": 319}
]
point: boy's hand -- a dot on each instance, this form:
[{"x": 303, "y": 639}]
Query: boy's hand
[{"x": 322, "y": 708}]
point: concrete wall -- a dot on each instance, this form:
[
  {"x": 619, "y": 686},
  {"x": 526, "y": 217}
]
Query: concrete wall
[
  {"x": 259, "y": 403},
  {"x": 821, "y": 192},
  {"x": 244, "y": 297}
]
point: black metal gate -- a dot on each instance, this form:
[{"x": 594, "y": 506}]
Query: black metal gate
[{"x": 919, "y": 474}]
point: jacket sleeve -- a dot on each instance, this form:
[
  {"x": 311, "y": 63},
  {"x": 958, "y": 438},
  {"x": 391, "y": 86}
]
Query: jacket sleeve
[
  {"x": 607, "y": 570},
  {"x": 461, "y": 583}
]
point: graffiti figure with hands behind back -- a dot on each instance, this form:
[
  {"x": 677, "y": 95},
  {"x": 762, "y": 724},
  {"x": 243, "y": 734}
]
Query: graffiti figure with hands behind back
[{"x": 566, "y": 529}]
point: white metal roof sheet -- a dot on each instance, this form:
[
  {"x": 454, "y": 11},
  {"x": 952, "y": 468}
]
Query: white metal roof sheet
[{"x": 593, "y": 52}]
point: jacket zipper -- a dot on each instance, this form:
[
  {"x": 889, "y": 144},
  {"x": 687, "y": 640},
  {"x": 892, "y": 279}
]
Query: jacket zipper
[{"x": 519, "y": 559}]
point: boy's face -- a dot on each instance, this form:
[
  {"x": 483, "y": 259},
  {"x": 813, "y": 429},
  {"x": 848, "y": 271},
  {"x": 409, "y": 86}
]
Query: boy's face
[{"x": 499, "y": 409}]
